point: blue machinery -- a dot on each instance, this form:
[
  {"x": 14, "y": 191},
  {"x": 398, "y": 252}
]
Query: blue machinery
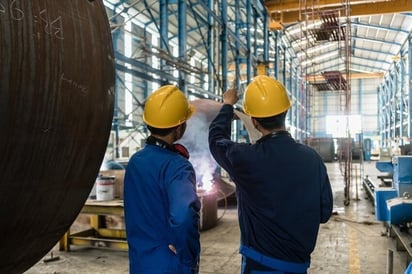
[
  {"x": 393, "y": 200},
  {"x": 393, "y": 204}
]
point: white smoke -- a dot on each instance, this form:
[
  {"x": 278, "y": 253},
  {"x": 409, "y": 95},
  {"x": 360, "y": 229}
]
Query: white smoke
[{"x": 195, "y": 140}]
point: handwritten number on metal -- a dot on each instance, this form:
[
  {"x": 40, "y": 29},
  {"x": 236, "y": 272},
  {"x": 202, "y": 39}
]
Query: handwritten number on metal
[
  {"x": 57, "y": 26},
  {"x": 15, "y": 13},
  {"x": 52, "y": 27},
  {"x": 2, "y": 9}
]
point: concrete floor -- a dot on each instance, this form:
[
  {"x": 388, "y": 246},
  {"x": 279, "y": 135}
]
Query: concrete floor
[{"x": 351, "y": 242}]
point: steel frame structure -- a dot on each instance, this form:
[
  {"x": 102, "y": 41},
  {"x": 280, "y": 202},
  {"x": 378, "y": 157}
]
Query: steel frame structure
[
  {"x": 204, "y": 47},
  {"x": 394, "y": 108}
]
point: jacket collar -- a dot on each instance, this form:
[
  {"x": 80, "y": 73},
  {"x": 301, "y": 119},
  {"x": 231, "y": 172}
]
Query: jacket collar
[{"x": 274, "y": 134}]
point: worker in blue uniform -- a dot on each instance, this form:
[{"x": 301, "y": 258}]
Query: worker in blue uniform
[
  {"x": 408, "y": 270},
  {"x": 160, "y": 200},
  {"x": 282, "y": 186}
]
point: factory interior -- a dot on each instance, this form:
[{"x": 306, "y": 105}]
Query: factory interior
[{"x": 75, "y": 76}]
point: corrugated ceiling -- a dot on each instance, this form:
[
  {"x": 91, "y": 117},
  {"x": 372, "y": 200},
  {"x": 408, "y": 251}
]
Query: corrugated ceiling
[
  {"x": 363, "y": 36},
  {"x": 375, "y": 31}
]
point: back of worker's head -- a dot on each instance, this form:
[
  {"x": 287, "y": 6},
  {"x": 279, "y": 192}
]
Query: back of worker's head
[
  {"x": 266, "y": 100},
  {"x": 165, "y": 109}
]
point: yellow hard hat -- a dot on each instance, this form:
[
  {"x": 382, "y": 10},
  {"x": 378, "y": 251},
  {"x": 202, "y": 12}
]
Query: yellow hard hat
[
  {"x": 167, "y": 107},
  {"x": 265, "y": 97}
]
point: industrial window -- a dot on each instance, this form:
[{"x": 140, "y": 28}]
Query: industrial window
[
  {"x": 337, "y": 125},
  {"x": 125, "y": 152}
]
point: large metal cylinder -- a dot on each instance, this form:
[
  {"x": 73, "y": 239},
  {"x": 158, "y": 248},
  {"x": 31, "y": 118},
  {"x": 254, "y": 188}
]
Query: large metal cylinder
[{"x": 56, "y": 107}]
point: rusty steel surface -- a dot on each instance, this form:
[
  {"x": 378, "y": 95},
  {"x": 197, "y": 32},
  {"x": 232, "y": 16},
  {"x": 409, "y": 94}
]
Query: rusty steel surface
[{"x": 56, "y": 107}]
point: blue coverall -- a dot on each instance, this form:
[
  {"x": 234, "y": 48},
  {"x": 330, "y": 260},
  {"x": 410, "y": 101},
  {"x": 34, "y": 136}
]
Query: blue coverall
[
  {"x": 161, "y": 209},
  {"x": 283, "y": 194}
]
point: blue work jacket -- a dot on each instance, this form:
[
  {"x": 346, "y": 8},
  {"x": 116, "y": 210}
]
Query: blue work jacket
[
  {"x": 161, "y": 209},
  {"x": 282, "y": 187}
]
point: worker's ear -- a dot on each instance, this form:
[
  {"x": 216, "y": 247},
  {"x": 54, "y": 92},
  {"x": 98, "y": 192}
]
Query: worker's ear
[
  {"x": 180, "y": 130},
  {"x": 255, "y": 123}
]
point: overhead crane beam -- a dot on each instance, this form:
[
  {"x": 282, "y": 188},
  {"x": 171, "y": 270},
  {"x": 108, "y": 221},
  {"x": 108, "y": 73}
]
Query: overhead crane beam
[
  {"x": 294, "y": 5},
  {"x": 292, "y": 16}
]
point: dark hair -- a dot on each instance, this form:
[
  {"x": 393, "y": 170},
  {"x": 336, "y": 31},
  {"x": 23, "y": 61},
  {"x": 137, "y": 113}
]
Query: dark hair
[
  {"x": 160, "y": 131},
  {"x": 272, "y": 122}
]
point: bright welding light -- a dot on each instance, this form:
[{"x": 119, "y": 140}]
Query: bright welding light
[{"x": 206, "y": 182}]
